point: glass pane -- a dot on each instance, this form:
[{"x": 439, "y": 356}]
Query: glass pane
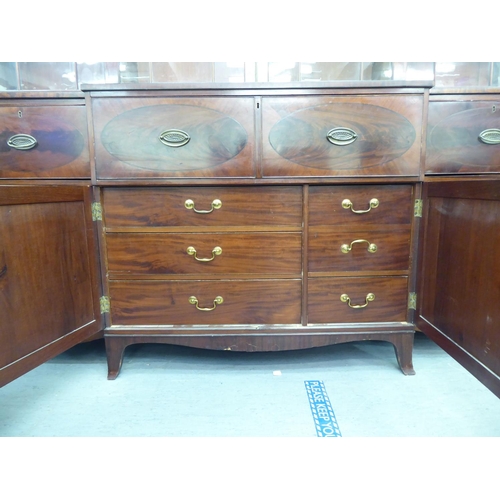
[
  {"x": 98, "y": 72},
  {"x": 283, "y": 72},
  {"x": 462, "y": 74},
  {"x": 133, "y": 72},
  {"x": 232, "y": 72},
  {"x": 47, "y": 75},
  {"x": 495, "y": 78},
  {"x": 8, "y": 76},
  {"x": 378, "y": 71},
  {"x": 182, "y": 72},
  {"x": 329, "y": 71}
]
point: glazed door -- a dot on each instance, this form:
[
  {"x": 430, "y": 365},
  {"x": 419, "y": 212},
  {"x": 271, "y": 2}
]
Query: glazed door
[
  {"x": 49, "y": 289},
  {"x": 458, "y": 303}
]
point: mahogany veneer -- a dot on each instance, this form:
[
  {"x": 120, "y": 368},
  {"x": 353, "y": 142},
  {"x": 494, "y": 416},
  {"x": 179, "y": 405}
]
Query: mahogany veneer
[{"x": 273, "y": 187}]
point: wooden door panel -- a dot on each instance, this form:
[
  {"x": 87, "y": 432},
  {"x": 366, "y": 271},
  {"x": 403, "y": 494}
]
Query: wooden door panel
[
  {"x": 459, "y": 290},
  {"x": 49, "y": 295}
]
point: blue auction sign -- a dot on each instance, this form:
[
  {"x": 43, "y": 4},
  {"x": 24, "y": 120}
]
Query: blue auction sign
[{"x": 324, "y": 417}]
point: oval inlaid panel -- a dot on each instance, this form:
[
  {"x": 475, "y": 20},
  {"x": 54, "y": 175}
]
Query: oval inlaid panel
[
  {"x": 456, "y": 137},
  {"x": 382, "y": 135},
  {"x": 134, "y": 137},
  {"x": 55, "y": 137}
]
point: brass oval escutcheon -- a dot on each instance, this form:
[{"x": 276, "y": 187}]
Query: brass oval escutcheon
[
  {"x": 341, "y": 136},
  {"x": 174, "y": 138},
  {"x": 22, "y": 142},
  {"x": 490, "y": 136}
]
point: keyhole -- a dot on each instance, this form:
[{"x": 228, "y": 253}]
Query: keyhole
[{"x": 20, "y": 114}]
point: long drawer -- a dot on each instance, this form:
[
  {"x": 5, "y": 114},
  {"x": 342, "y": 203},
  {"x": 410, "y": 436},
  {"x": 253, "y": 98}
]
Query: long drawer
[
  {"x": 44, "y": 142},
  {"x": 220, "y": 206},
  {"x": 357, "y": 300},
  {"x": 341, "y": 136},
  {"x": 204, "y": 253},
  {"x": 221, "y": 302}
]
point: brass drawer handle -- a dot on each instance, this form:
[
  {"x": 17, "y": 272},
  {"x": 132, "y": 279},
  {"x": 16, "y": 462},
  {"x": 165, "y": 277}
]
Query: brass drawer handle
[
  {"x": 341, "y": 136},
  {"x": 174, "y": 138},
  {"x": 22, "y": 142},
  {"x": 347, "y": 204},
  {"x": 217, "y": 301},
  {"x": 372, "y": 248},
  {"x": 369, "y": 298},
  {"x": 216, "y": 204},
  {"x": 490, "y": 136},
  {"x": 215, "y": 251}
]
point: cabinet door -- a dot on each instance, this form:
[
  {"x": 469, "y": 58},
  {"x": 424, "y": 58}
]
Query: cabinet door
[
  {"x": 49, "y": 289},
  {"x": 459, "y": 275}
]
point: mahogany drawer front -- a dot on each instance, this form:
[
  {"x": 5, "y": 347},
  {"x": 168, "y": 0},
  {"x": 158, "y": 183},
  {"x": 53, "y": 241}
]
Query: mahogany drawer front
[
  {"x": 389, "y": 299},
  {"x": 334, "y": 250},
  {"x": 168, "y": 302},
  {"x": 392, "y": 204},
  {"x": 154, "y": 137},
  {"x": 341, "y": 136},
  {"x": 463, "y": 137},
  {"x": 239, "y": 206},
  {"x": 176, "y": 253},
  {"x": 44, "y": 142}
]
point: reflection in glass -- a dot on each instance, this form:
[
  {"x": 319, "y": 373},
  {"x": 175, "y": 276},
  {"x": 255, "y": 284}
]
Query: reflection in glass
[
  {"x": 231, "y": 72},
  {"x": 98, "y": 72},
  {"x": 378, "y": 71},
  {"x": 8, "y": 76},
  {"x": 133, "y": 72},
  {"x": 495, "y": 74},
  {"x": 70, "y": 75},
  {"x": 462, "y": 74},
  {"x": 182, "y": 72},
  {"x": 47, "y": 75},
  {"x": 329, "y": 71},
  {"x": 282, "y": 72}
]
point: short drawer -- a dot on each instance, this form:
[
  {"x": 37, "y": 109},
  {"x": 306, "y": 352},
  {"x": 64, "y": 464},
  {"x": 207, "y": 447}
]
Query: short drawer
[
  {"x": 152, "y": 137},
  {"x": 204, "y": 253},
  {"x": 203, "y": 206},
  {"x": 360, "y": 205},
  {"x": 43, "y": 142},
  {"x": 205, "y": 302},
  {"x": 463, "y": 137},
  {"x": 333, "y": 250},
  {"x": 354, "y": 300},
  {"x": 341, "y": 136}
]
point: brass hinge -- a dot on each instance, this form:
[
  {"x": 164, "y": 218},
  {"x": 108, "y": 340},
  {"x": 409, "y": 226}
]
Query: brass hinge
[
  {"x": 105, "y": 306},
  {"x": 412, "y": 301},
  {"x": 96, "y": 211},
  {"x": 417, "y": 212}
]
